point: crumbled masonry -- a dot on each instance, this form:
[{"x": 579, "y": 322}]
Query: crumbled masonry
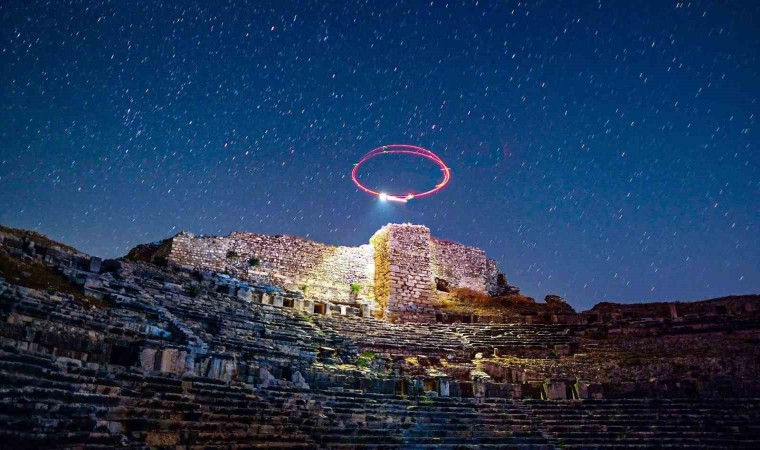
[
  {"x": 190, "y": 343},
  {"x": 396, "y": 270}
]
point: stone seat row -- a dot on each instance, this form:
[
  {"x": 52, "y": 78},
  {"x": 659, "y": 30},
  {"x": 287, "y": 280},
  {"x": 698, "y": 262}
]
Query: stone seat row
[
  {"x": 28, "y": 412},
  {"x": 72, "y": 312},
  {"x": 437, "y": 339},
  {"x": 693, "y": 423},
  {"x": 279, "y": 332},
  {"x": 197, "y": 411},
  {"x": 379, "y": 336},
  {"x": 166, "y": 401},
  {"x": 378, "y": 420}
]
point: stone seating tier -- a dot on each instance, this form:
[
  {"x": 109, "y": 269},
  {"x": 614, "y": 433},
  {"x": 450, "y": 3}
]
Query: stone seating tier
[
  {"x": 168, "y": 358},
  {"x": 42, "y": 401}
]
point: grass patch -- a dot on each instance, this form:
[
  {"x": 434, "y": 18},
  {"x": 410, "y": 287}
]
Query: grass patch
[
  {"x": 477, "y": 298},
  {"x": 469, "y": 301},
  {"x": 427, "y": 401},
  {"x": 365, "y": 359}
]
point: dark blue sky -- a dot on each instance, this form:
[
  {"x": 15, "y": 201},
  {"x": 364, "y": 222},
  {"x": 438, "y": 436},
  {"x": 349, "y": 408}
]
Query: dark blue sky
[{"x": 599, "y": 150}]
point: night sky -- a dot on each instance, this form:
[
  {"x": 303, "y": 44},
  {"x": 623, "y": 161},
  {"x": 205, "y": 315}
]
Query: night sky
[{"x": 600, "y": 150}]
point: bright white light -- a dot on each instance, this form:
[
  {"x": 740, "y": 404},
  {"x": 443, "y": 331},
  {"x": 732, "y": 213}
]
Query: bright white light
[{"x": 383, "y": 196}]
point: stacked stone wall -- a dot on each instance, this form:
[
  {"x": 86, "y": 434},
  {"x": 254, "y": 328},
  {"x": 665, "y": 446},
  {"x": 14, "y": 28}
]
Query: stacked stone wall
[
  {"x": 492, "y": 277},
  {"x": 397, "y": 271},
  {"x": 460, "y": 265},
  {"x": 324, "y": 272},
  {"x": 382, "y": 269},
  {"x": 409, "y": 275}
]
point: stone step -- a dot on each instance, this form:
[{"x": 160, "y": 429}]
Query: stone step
[{"x": 19, "y": 440}]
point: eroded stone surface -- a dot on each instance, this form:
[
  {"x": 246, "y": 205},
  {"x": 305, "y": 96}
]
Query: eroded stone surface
[{"x": 395, "y": 273}]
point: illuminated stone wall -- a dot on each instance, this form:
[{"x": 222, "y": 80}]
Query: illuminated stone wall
[
  {"x": 290, "y": 262},
  {"x": 382, "y": 269},
  {"x": 460, "y": 265},
  {"x": 403, "y": 253},
  {"x": 396, "y": 271}
]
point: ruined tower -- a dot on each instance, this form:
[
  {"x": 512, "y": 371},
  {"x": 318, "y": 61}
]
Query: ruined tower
[{"x": 403, "y": 273}]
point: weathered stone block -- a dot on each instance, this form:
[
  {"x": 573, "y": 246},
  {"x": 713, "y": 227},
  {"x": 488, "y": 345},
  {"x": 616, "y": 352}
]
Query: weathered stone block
[
  {"x": 148, "y": 359},
  {"x": 95, "y": 264},
  {"x": 443, "y": 387},
  {"x": 555, "y": 390}
]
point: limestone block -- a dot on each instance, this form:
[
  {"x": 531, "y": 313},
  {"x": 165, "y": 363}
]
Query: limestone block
[
  {"x": 595, "y": 391},
  {"x": 443, "y": 387},
  {"x": 171, "y": 360},
  {"x": 299, "y": 381},
  {"x": 148, "y": 359},
  {"x": 162, "y": 438},
  {"x": 555, "y": 390},
  {"x": 581, "y": 389},
  {"x": 90, "y": 283},
  {"x": 562, "y": 349},
  {"x": 265, "y": 378},
  {"x": 228, "y": 370},
  {"x": 95, "y": 264},
  {"x": 165, "y": 359},
  {"x": 479, "y": 387},
  {"x": 245, "y": 294},
  {"x": 517, "y": 391}
]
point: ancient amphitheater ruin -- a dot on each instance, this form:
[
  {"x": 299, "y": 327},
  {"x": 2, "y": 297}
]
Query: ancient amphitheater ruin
[{"x": 409, "y": 341}]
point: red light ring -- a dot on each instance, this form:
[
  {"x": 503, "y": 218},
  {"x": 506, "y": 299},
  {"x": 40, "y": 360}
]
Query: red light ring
[{"x": 404, "y": 150}]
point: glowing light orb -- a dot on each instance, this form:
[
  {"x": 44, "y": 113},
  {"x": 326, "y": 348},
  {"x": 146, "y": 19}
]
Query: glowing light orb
[{"x": 402, "y": 149}]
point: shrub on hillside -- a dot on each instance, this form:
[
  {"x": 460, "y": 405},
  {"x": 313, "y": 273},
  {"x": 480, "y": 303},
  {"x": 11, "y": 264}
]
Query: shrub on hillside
[{"x": 473, "y": 297}]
